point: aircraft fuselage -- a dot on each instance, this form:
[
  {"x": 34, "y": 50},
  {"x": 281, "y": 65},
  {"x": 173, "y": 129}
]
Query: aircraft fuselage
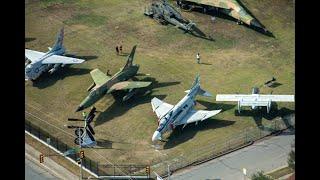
[
  {"x": 178, "y": 112},
  {"x": 36, "y": 68},
  {"x": 98, "y": 92}
]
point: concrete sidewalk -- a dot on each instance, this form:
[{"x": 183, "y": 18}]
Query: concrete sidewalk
[{"x": 46, "y": 170}]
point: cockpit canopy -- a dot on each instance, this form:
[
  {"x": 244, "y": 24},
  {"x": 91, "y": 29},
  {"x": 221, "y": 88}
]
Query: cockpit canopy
[{"x": 164, "y": 120}]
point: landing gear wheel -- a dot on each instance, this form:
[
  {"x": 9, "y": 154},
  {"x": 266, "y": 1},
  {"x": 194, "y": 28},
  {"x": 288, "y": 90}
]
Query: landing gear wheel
[
  {"x": 76, "y": 132},
  {"x": 76, "y": 141}
]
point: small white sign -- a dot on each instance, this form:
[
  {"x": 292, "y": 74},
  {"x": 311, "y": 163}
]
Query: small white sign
[
  {"x": 244, "y": 171},
  {"x": 48, "y": 140}
]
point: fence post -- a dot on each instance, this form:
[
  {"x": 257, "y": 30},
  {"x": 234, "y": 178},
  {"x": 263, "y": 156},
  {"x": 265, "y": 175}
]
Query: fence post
[
  {"x": 39, "y": 132},
  {"x": 246, "y": 138},
  {"x": 98, "y": 168},
  {"x": 213, "y": 150},
  {"x": 260, "y": 130},
  {"x": 57, "y": 142}
]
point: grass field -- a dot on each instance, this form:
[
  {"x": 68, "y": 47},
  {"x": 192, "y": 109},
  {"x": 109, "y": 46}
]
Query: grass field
[{"x": 238, "y": 59}]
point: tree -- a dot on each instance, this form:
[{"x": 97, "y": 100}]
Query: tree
[
  {"x": 291, "y": 159},
  {"x": 260, "y": 176}
]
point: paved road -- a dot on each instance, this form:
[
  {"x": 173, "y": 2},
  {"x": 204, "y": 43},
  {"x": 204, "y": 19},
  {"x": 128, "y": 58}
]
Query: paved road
[
  {"x": 47, "y": 170},
  {"x": 35, "y": 172},
  {"x": 266, "y": 155}
]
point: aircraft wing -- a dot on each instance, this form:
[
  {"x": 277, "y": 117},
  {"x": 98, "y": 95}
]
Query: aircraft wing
[
  {"x": 214, "y": 3},
  {"x": 99, "y": 77},
  {"x": 56, "y": 59},
  {"x": 194, "y": 116},
  {"x": 33, "y": 55},
  {"x": 161, "y": 108},
  {"x": 254, "y": 97},
  {"x": 125, "y": 85}
]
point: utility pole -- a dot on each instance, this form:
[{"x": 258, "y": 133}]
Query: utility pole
[{"x": 48, "y": 142}]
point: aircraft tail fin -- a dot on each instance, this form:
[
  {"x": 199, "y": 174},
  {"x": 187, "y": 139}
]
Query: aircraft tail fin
[
  {"x": 196, "y": 81},
  {"x": 200, "y": 92},
  {"x": 130, "y": 57},
  {"x": 59, "y": 41}
]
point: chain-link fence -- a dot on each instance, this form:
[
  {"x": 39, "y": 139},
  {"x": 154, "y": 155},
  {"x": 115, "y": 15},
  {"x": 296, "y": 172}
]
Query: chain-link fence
[
  {"x": 93, "y": 166},
  {"x": 60, "y": 146}
]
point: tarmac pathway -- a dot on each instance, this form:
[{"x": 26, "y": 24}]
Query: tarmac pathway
[
  {"x": 266, "y": 155},
  {"x": 46, "y": 170}
]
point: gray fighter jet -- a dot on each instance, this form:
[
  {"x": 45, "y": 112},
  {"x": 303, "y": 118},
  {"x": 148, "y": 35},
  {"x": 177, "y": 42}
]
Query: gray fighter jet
[
  {"x": 165, "y": 13},
  {"x": 39, "y": 62},
  {"x": 182, "y": 113}
]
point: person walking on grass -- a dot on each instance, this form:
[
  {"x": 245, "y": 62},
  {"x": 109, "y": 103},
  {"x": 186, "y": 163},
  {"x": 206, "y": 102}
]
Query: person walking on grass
[
  {"x": 117, "y": 49},
  {"x": 198, "y": 58}
]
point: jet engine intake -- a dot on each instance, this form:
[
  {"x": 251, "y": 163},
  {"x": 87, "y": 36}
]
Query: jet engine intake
[
  {"x": 92, "y": 86},
  {"x": 54, "y": 69}
]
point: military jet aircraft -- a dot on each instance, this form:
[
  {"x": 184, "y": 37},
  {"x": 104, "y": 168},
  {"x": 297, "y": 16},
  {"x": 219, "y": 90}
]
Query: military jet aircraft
[
  {"x": 85, "y": 132},
  {"x": 104, "y": 84},
  {"x": 39, "y": 62},
  {"x": 164, "y": 13},
  {"x": 228, "y": 7},
  {"x": 182, "y": 113},
  {"x": 255, "y": 99}
]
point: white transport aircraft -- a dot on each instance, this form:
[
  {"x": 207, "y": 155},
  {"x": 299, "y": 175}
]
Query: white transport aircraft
[{"x": 255, "y": 99}]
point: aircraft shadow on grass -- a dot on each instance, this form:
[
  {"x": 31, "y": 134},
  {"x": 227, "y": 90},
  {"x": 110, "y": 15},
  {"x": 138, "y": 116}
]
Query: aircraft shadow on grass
[
  {"x": 104, "y": 144},
  {"x": 258, "y": 114},
  {"x": 179, "y": 135},
  {"x": 215, "y": 106},
  {"x": 274, "y": 85},
  {"x": 218, "y": 14},
  {"x": 118, "y": 108},
  {"x": 144, "y": 95},
  {"x": 196, "y": 32},
  {"x": 29, "y": 39},
  {"x": 107, "y": 144},
  {"x": 46, "y": 79},
  {"x": 205, "y": 63}
]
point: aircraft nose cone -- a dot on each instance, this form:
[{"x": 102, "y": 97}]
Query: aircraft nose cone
[
  {"x": 255, "y": 23},
  {"x": 156, "y": 136},
  {"x": 79, "y": 108}
]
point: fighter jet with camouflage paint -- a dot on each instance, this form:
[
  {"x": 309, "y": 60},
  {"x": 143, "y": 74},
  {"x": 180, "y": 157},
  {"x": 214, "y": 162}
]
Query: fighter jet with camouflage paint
[
  {"x": 165, "y": 13},
  {"x": 228, "y": 7},
  {"x": 51, "y": 61},
  {"x": 105, "y": 84}
]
